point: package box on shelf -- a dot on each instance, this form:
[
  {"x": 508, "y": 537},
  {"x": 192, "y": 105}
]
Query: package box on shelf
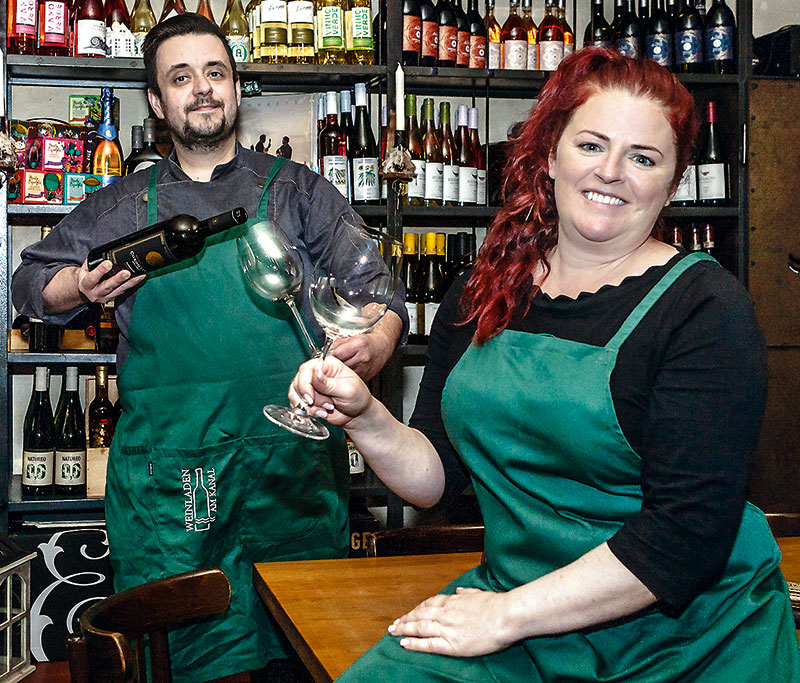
[
  {"x": 43, "y": 187},
  {"x": 97, "y": 458},
  {"x": 14, "y": 187},
  {"x": 32, "y": 158},
  {"x": 62, "y": 154},
  {"x": 78, "y": 185},
  {"x": 85, "y": 110},
  {"x": 18, "y": 131}
]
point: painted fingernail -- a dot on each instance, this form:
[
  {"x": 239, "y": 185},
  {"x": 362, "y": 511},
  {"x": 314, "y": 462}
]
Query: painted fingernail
[
  {"x": 320, "y": 413},
  {"x": 392, "y": 628},
  {"x": 404, "y": 642},
  {"x": 328, "y": 406},
  {"x": 308, "y": 399}
]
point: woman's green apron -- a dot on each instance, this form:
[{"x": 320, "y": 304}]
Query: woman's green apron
[
  {"x": 197, "y": 475},
  {"x": 555, "y": 477}
]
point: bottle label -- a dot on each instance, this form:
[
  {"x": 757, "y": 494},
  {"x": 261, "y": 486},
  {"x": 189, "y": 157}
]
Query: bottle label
[
  {"x": 477, "y": 52},
  {"x": 90, "y": 38},
  {"x": 430, "y": 314},
  {"x": 450, "y": 183},
  {"x": 273, "y": 11},
  {"x": 687, "y": 187},
  {"x": 138, "y": 39},
  {"x": 240, "y": 47},
  {"x": 70, "y": 469},
  {"x": 448, "y": 43},
  {"x": 120, "y": 41},
  {"x": 467, "y": 185},
  {"x": 551, "y": 52},
  {"x": 355, "y": 458},
  {"x": 332, "y": 28},
  {"x": 658, "y": 47},
  {"x": 412, "y": 29},
  {"x": 462, "y": 58},
  {"x": 142, "y": 256},
  {"x": 416, "y": 186},
  {"x": 358, "y": 28},
  {"x": 494, "y": 55},
  {"x": 628, "y": 46},
  {"x": 25, "y": 17},
  {"x": 413, "y": 318},
  {"x": 334, "y": 170},
  {"x": 719, "y": 43},
  {"x": 55, "y": 23},
  {"x": 711, "y": 181},
  {"x": 433, "y": 180},
  {"x": 605, "y": 44},
  {"x": 689, "y": 47},
  {"x": 365, "y": 179},
  {"x": 569, "y": 48},
  {"x": 481, "y": 191},
  {"x": 515, "y": 54},
  {"x": 141, "y": 166},
  {"x": 300, "y": 12},
  {"x": 430, "y": 39},
  {"x": 533, "y": 57},
  {"x": 37, "y": 468}
]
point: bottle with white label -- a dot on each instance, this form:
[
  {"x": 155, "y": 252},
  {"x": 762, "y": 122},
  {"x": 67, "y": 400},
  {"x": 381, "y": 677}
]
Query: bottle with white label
[
  {"x": 38, "y": 439},
  {"x": 432, "y": 283},
  {"x": 480, "y": 161},
  {"x": 713, "y": 187},
  {"x": 467, "y": 163},
  {"x": 686, "y": 194},
  {"x": 551, "y": 38},
  {"x": 416, "y": 186},
  {"x": 514, "y": 37},
  {"x": 433, "y": 156},
  {"x": 449, "y": 157},
  {"x": 333, "y": 147},
  {"x": 364, "y": 153},
  {"x": 69, "y": 471}
]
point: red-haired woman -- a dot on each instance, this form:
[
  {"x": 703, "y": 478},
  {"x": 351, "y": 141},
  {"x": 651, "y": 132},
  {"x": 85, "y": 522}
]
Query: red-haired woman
[{"x": 604, "y": 391}]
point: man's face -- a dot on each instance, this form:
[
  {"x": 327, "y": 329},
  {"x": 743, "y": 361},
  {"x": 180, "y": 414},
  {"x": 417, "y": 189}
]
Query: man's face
[{"x": 199, "y": 100}]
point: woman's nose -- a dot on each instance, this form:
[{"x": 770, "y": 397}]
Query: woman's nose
[{"x": 609, "y": 168}]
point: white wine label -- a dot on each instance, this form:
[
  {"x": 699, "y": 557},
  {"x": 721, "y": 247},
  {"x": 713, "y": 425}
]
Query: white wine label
[
  {"x": 416, "y": 186},
  {"x": 430, "y": 314},
  {"x": 711, "y": 181},
  {"x": 90, "y": 37},
  {"x": 551, "y": 52},
  {"x": 494, "y": 55},
  {"x": 120, "y": 42},
  {"x": 450, "y": 183},
  {"x": 334, "y": 169},
  {"x": 365, "y": 179},
  {"x": 361, "y": 22},
  {"x": 687, "y": 187},
  {"x": 70, "y": 468},
  {"x": 37, "y": 468},
  {"x": 331, "y": 27},
  {"x": 533, "y": 57},
  {"x": 25, "y": 17},
  {"x": 300, "y": 12},
  {"x": 433, "y": 180},
  {"x": 240, "y": 47},
  {"x": 413, "y": 318},
  {"x": 55, "y": 20},
  {"x": 719, "y": 43},
  {"x": 273, "y": 11},
  {"x": 658, "y": 47},
  {"x": 467, "y": 185},
  {"x": 481, "y": 191},
  {"x": 689, "y": 47},
  {"x": 515, "y": 54}
]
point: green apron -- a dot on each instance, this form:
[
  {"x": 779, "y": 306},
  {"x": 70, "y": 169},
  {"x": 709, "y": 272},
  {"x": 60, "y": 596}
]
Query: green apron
[
  {"x": 197, "y": 476},
  {"x": 555, "y": 477}
]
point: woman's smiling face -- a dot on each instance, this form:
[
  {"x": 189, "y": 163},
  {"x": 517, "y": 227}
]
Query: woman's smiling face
[{"x": 613, "y": 169}]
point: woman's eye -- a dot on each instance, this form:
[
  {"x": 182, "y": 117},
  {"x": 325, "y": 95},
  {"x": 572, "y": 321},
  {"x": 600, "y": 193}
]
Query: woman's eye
[
  {"x": 643, "y": 160},
  {"x": 589, "y": 147}
]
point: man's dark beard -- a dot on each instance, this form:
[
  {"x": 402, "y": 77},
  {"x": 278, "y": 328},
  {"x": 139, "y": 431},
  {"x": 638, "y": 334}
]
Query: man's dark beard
[{"x": 191, "y": 138}]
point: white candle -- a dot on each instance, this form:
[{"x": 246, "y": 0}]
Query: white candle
[{"x": 399, "y": 98}]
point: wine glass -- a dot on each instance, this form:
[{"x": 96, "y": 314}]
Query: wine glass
[{"x": 273, "y": 267}]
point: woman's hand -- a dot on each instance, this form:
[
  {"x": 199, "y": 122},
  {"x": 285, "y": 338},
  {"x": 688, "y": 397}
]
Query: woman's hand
[
  {"x": 468, "y": 624},
  {"x": 330, "y": 390}
]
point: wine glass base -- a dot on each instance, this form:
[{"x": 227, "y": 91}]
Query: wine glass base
[{"x": 302, "y": 425}]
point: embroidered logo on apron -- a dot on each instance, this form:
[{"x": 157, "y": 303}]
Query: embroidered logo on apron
[{"x": 200, "y": 498}]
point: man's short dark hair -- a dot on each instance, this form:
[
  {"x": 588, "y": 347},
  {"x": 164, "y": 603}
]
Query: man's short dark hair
[{"x": 188, "y": 23}]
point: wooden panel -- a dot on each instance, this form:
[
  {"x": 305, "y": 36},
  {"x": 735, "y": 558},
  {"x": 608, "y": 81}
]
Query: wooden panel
[{"x": 773, "y": 158}]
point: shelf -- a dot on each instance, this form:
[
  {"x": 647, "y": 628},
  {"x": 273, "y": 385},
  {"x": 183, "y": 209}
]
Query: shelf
[
  {"x": 371, "y": 486},
  {"x": 25, "y": 358},
  {"x": 700, "y": 212},
  {"x": 50, "y": 503}
]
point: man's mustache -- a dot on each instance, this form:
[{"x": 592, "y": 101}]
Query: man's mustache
[{"x": 203, "y": 102}]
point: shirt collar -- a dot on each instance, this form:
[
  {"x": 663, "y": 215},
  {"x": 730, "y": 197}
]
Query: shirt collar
[{"x": 220, "y": 171}]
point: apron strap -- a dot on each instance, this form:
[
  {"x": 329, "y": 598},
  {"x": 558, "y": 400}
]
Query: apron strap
[
  {"x": 262, "y": 214},
  {"x": 654, "y": 295}
]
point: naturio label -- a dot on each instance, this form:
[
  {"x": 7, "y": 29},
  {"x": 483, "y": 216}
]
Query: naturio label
[{"x": 69, "y": 468}]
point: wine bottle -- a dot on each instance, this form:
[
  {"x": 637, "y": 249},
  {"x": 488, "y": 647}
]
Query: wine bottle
[
  {"x": 171, "y": 8},
  {"x": 252, "y": 13},
  {"x": 21, "y": 27},
  {"x": 164, "y": 243},
  {"x": 236, "y": 30},
  {"x": 274, "y": 30},
  {"x": 712, "y": 170},
  {"x": 468, "y": 167},
  {"x": 384, "y": 144},
  {"x": 598, "y": 32},
  {"x": 658, "y": 36},
  {"x": 494, "y": 36},
  {"x": 620, "y": 10},
  {"x": 137, "y": 144},
  {"x": 462, "y": 24},
  {"x": 358, "y": 41},
  {"x": 364, "y": 153},
  {"x": 450, "y": 169},
  {"x": 38, "y": 438},
  {"x": 416, "y": 186},
  {"x": 300, "y": 15},
  {"x": 551, "y": 39},
  {"x": 686, "y": 194},
  {"x": 695, "y": 240},
  {"x": 204, "y": 9},
  {"x": 628, "y": 36},
  {"x": 514, "y": 37},
  {"x": 433, "y": 156},
  {"x": 412, "y": 32},
  {"x": 42, "y": 337},
  {"x": 477, "y": 150},
  {"x": 720, "y": 39},
  {"x": 448, "y": 34},
  {"x": 644, "y": 12},
  {"x": 533, "y": 36},
  {"x": 333, "y": 147},
  {"x": 69, "y": 470},
  {"x": 142, "y": 21},
  {"x": 410, "y": 278},
  {"x": 147, "y": 154},
  {"x": 346, "y": 122},
  {"x": 432, "y": 284},
  {"x": 477, "y": 37},
  {"x": 569, "y": 34},
  {"x": 700, "y": 6},
  {"x": 53, "y": 35},
  {"x": 677, "y": 236},
  {"x": 708, "y": 239},
  {"x": 90, "y": 29},
  {"x": 119, "y": 39},
  {"x": 107, "y": 338},
  {"x": 101, "y": 411},
  {"x": 379, "y": 35},
  {"x": 689, "y": 29},
  {"x": 106, "y": 149},
  {"x": 331, "y": 33},
  {"x": 429, "y": 43}
]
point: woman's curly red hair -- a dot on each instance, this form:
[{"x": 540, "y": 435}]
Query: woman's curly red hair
[{"x": 525, "y": 228}]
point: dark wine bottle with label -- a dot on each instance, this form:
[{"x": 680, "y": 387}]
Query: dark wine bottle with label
[
  {"x": 69, "y": 471},
  {"x": 412, "y": 32},
  {"x": 410, "y": 279},
  {"x": 628, "y": 35},
  {"x": 164, "y": 243},
  {"x": 38, "y": 439},
  {"x": 713, "y": 184},
  {"x": 689, "y": 30},
  {"x": 101, "y": 412},
  {"x": 432, "y": 283},
  {"x": 148, "y": 153},
  {"x": 598, "y": 32},
  {"x": 658, "y": 35},
  {"x": 364, "y": 153},
  {"x": 720, "y": 39}
]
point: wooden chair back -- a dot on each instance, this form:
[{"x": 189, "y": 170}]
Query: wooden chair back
[
  {"x": 425, "y": 540},
  {"x": 116, "y": 632}
]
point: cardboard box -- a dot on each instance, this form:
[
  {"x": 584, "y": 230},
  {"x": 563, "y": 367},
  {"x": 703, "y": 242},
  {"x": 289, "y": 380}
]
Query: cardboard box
[
  {"x": 86, "y": 110},
  {"x": 43, "y": 187},
  {"x": 78, "y": 185},
  {"x": 62, "y": 154},
  {"x": 32, "y": 158},
  {"x": 14, "y": 187}
]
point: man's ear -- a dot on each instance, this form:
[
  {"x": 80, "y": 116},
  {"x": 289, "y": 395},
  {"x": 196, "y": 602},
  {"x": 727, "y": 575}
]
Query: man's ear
[
  {"x": 238, "y": 92},
  {"x": 155, "y": 104}
]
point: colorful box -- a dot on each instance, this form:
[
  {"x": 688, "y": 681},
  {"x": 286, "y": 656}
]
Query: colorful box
[
  {"x": 62, "y": 154},
  {"x": 14, "y": 186},
  {"x": 43, "y": 187},
  {"x": 78, "y": 185},
  {"x": 86, "y": 110}
]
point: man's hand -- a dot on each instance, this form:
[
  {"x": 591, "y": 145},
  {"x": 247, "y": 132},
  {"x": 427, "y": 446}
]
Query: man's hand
[
  {"x": 92, "y": 285},
  {"x": 367, "y": 353}
]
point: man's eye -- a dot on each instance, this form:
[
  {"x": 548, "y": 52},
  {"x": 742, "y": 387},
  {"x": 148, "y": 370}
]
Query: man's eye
[
  {"x": 215, "y": 74},
  {"x": 179, "y": 79}
]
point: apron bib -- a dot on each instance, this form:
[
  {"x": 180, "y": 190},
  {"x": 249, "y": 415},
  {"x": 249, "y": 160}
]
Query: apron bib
[
  {"x": 555, "y": 477},
  {"x": 197, "y": 476}
]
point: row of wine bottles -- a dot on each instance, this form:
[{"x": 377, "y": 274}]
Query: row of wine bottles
[
  {"x": 54, "y": 447},
  {"x": 431, "y": 262},
  {"x": 693, "y": 237}
]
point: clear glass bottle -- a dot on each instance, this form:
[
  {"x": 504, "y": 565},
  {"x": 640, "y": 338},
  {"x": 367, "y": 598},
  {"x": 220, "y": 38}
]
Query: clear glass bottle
[
  {"x": 450, "y": 169},
  {"x": 433, "y": 156},
  {"x": 494, "y": 37},
  {"x": 514, "y": 36},
  {"x": 551, "y": 38},
  {"x": 533, "y": 36},
  {"x": 333, "y": 147},
  {"x": 142, "y": 21},
  {"x": 330, "y": 29},
  {"x": 358, "y": 40},
  {"x": 300, "y": 14},
  {"x": 53, "y": 34},
  {"x": 236, "y": 30},
  {"x": 416, "y": 187},
  {"x": 273, "y": 27}
]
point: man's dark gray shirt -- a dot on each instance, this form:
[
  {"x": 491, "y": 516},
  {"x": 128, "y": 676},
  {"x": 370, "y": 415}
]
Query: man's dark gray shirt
[{"x": 305, "y": 205}]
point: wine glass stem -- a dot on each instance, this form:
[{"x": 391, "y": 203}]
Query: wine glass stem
[
  {"x": 311, "y": 345},
  {"x": 325, "y": 349}
]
